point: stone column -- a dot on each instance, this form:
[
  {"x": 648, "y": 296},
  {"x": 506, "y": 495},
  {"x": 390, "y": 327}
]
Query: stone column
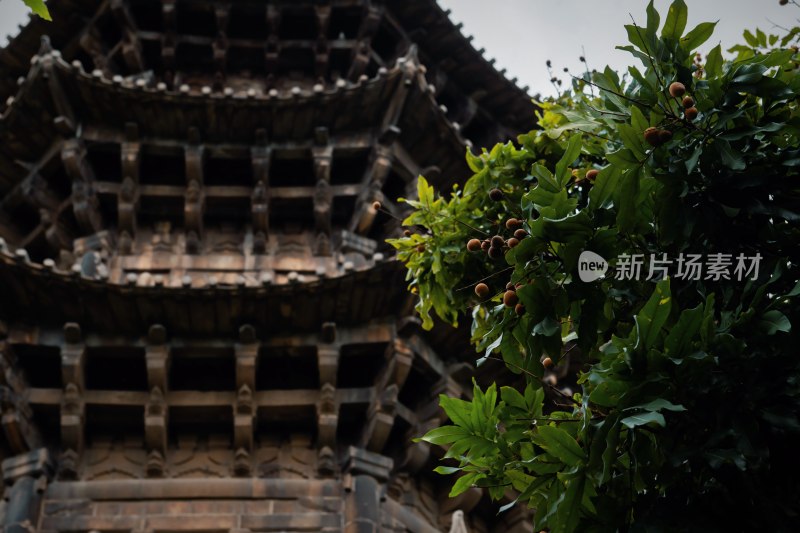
[
  {"x": 25, "y": 477},
  {"x": 366, "y": 474}
]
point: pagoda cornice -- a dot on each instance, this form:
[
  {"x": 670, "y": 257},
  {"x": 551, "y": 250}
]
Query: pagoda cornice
[
  {"x": 271, "y": 301},
  {"x": 230, "y": 117}
]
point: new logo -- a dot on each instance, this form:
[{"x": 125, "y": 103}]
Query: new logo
[{"x": 591, "y": 266}]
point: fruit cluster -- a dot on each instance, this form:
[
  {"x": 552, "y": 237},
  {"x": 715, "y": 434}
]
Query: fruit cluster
[
  {"x": 658, "y": 136},
  {"x": 496, "y": 246}
]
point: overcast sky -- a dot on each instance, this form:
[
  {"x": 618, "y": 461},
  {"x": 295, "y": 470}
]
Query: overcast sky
[{"x": 523, "y": 34}]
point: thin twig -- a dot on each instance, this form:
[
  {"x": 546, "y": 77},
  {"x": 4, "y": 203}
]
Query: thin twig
[{"x": 484, "y": 279}]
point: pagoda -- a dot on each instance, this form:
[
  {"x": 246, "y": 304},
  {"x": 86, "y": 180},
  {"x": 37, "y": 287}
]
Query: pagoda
[{"x": 201, "y": 325}]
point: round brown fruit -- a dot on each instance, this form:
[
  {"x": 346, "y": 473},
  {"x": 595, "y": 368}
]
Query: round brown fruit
[
  {"x": 664, "y": 136},
  {"x": 495, "y": 253},
  {"x": 485, "y": 245},
  {"x": 690, "y": 114},
  {"x": 547, "y": 363},
  {"x": 591, "y": 174},
  {"x": 513, "y": 223},
  {"x": 498, "y": 241},
  {"x": 407, "y": 233},
  {"x": 677, "y": 89},
  {"x": 473, "y": 245},
  {"x": 512, "y": 242},
  {"x": 519, "y": 309},
  {"x": 509, "y": 286},
  {"x": 783, "y": 2},
  {"x": 510, "y": 298},
  {"x": 482, "y": 291},
  {"x": 652, "y": 136},
  {"x": 520, "y": 234},
  {"x": 376, "y": 206},
  {"x": 688, "y": 101},
  {"x": 420, "y": 248},
  {"x": 496, "y": 195}
]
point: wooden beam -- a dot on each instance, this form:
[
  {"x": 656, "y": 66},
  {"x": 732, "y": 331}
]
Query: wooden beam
[
  {"x": 131, "y": 47},
  {"x": 85, "y": 204},
  {"x": 322, "y": 153},
  {"x": 158, "y": 357},
  {"x": 243, "y": 421},
  {"x": 155, "y": 432},
  {"x": 72, "y": 419},
  {"x": 73, "y": 357},
  {"x": 17, "y": 422},
  {"x": 220, "y": 46},
  {"x": 261, "y": 158},
  {"x": 372, "y": 184},
  {"x": 92, "y": 44},
  {"x": 193, "y": 211},
  {"x": 246, "y": 351},
  {"x": 327, "y": 417}
]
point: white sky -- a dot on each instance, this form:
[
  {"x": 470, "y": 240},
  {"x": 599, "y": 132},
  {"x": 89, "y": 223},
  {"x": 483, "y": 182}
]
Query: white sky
[{"x": 523, "y": 34}]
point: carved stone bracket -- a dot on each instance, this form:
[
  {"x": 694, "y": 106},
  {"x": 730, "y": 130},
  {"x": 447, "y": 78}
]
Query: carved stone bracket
[
  {"x": 155, "y": 424},
  {"x": 72, "y": 418},
  {"x": 243, "y": 420},
  {"x": 246, "y": 351},
  {"x": 327, "y": 417},
  {"x": 157, "y": 357},
  {"x": 85, "y": 203},
  {"x": 73, "y": 356}
]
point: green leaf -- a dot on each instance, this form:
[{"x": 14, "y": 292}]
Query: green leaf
[
  {"x": 676, "y": 20},
  {"x": 700, "y": 34},
  {"x": 568, "y": 512},
  {"x": 610, "y": 453},
  {"x": 600, "y": 197},
  {"x": 632, "y": 139},
  {"x": 545, "y": 178},
  {"x": 457, "y": 410},
  {"x": 625, "y": 200},
  {"x": 660, "y": 404},
  {"x": 653, "y": 20},
  {"x": 572, "y": 151},
  {"x": 623, "y": 158},
  {"x": 445, "y": 435},
  {"x": 683, "y": 332},
  {"x": 774, "y": 321},
  {"x": 730, "y": 158},
  {"x": 38, "y": 7},
  {"x": 446, "y": 470},
  {"x": 714, "y": 62},
  {"x": 651, "y": 318},
  {"x": 513, "y": 397},
  {"x": 465, "y": 482},
  {"x": 639, "y": 121},
  {"x": 560, "y": 444},
  {"x": 424, "y": 192},
  {"x": 643, "y": 419}
]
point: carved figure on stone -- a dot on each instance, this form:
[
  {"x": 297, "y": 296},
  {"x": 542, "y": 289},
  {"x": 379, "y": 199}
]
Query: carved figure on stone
[
  {"x": 86, "y": 206},
  {"x": 162, "y": 238},
  {"x": 193, "y": 215},
  {"x": 260, "y": 212},
  {"x": 126, "y": 205}
]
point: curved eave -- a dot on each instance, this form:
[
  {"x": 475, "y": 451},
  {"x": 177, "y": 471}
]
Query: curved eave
[
  {"x": 37, "y": 294},
  {"x": 443, "y": 41},
  {"x": 69, "y": 20},
  {"x": 26, "y": 124}
]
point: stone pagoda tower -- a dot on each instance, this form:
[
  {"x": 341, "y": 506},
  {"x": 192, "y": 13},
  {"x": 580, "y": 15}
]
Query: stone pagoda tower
[{"x": 201, "y": 327}]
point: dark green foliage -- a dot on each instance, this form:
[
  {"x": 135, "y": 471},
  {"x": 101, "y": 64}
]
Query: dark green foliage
[{"x": 688, "y": 415}]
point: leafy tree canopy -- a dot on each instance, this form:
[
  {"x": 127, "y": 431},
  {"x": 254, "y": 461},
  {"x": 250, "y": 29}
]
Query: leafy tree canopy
[{"x": 687, "y": 415}]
